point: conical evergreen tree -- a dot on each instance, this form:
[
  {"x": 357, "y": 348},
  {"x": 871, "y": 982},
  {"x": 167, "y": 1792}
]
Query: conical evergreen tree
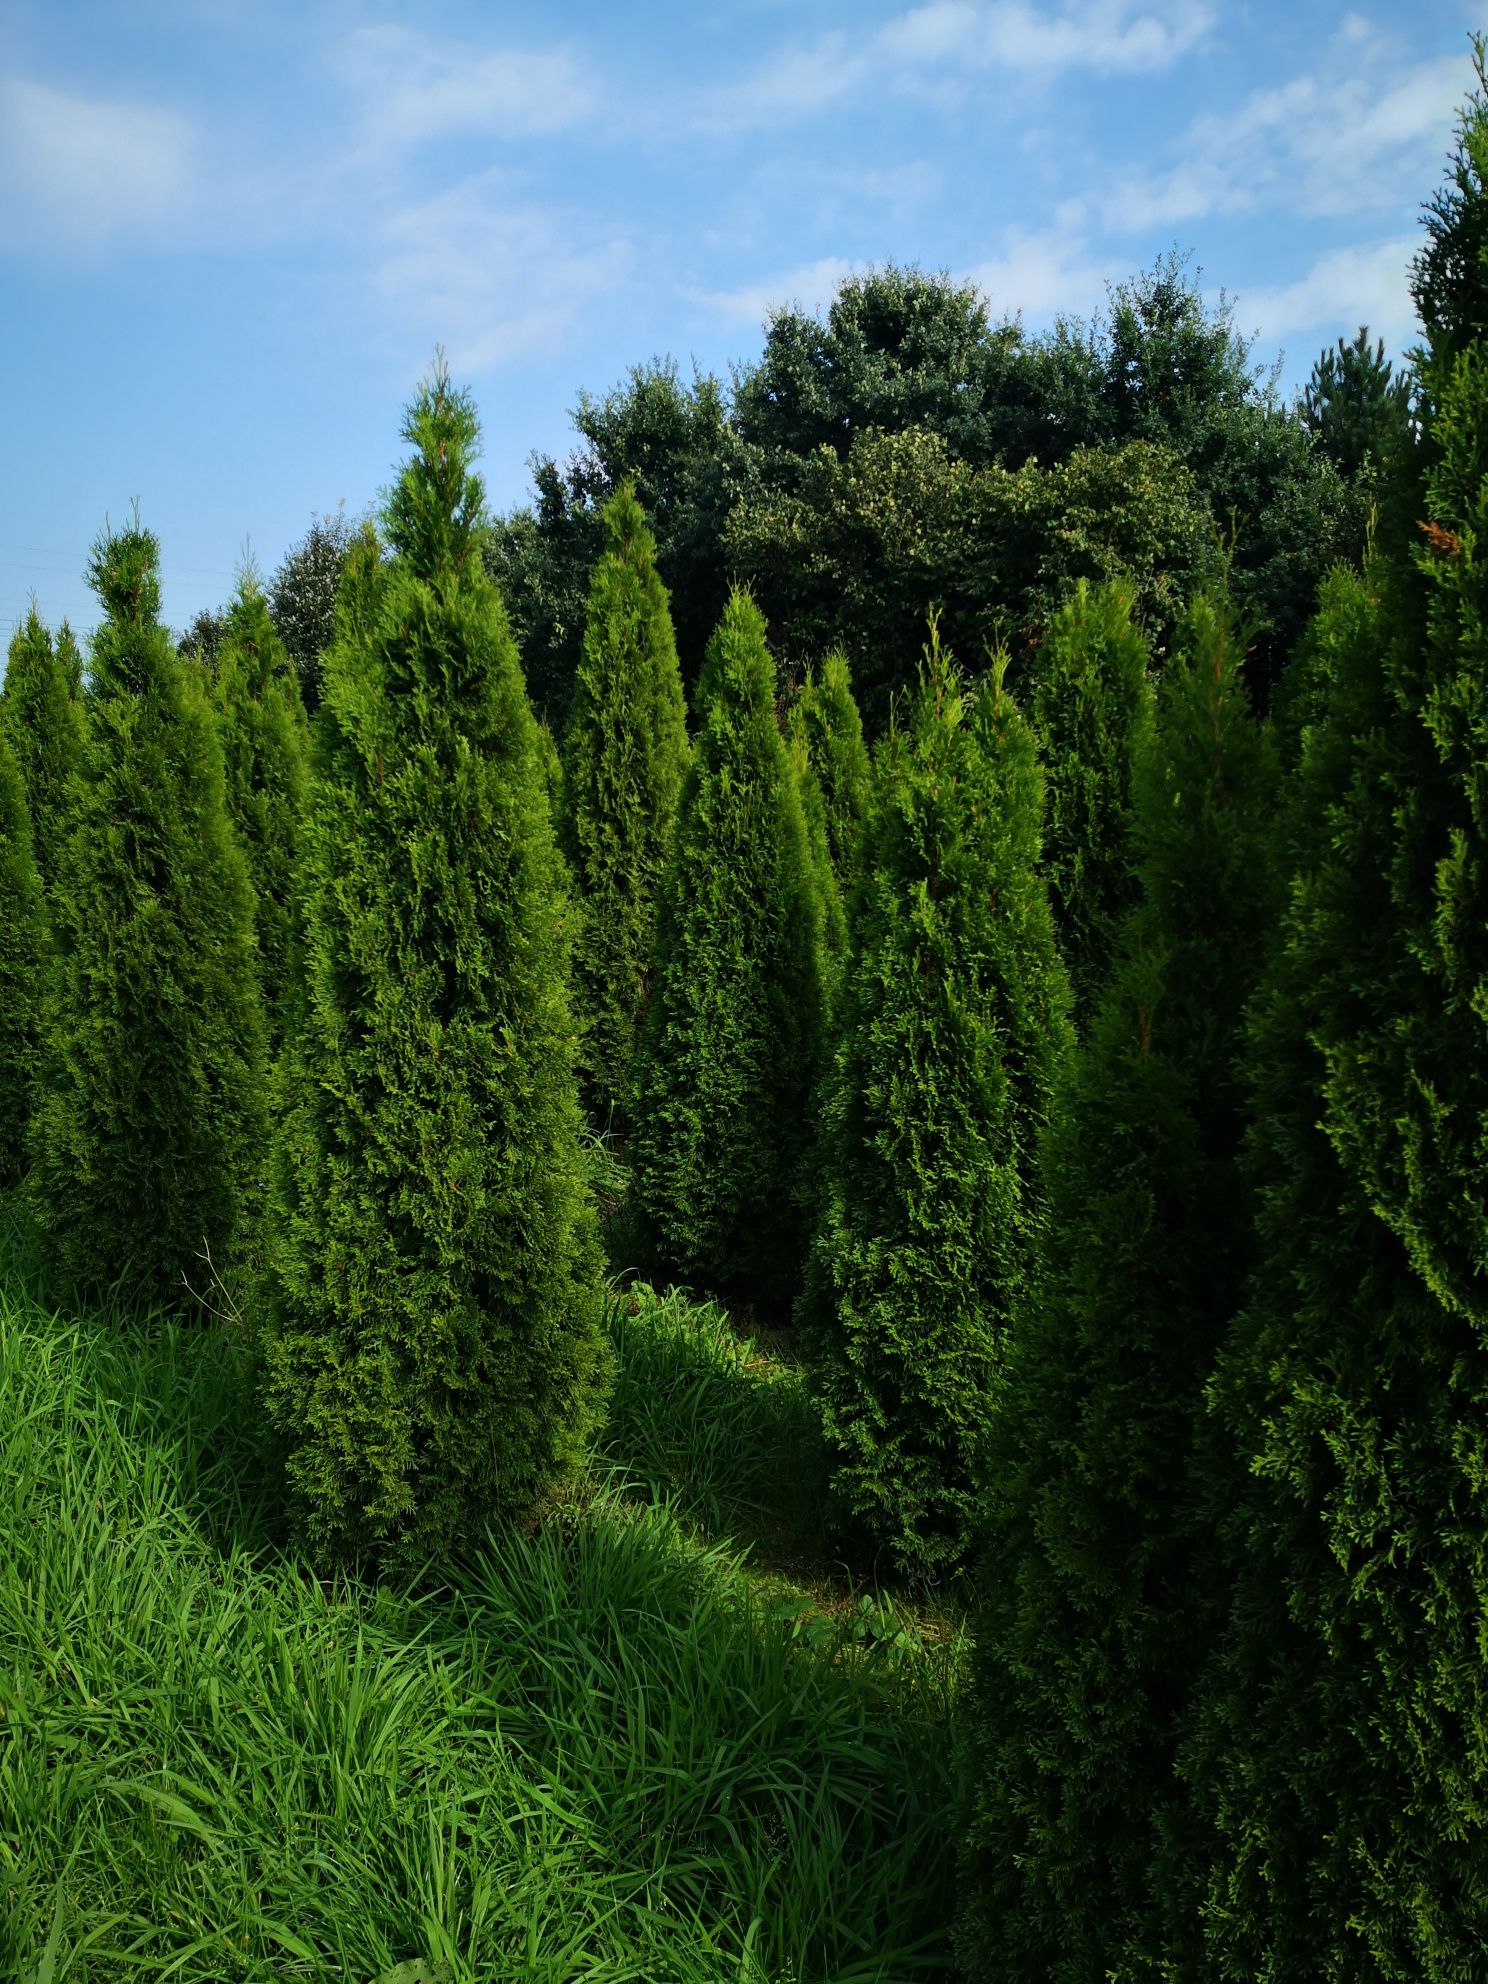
[
  {"x": 150, "y": 1118},
  {"x": 71, "y": 658},
  {"x": 23, "y": 965},
  {"x": 625, "y": 753},
  {"x": 434, "y": 1353},
  {"x": 825, "y": 717},
  {"x": 729, "y": 1052},
  {"x": 1100, "y": 1600},
  {"x": 1343, "y": 1748},
  {"x": 261, "y": 722},
  {"x": 42, "y": 718},
  {"x": 953, "y": 1026},
  {"x": 1092, "y": 707}
]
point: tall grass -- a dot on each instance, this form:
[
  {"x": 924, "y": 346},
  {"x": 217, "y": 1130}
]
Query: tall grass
[{"x": 593, "y": 1753}]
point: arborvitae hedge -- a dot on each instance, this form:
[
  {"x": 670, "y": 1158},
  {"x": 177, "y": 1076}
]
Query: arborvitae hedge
[
  {"x": 953, "y": 1025},
  {"x": 150, "y": 1121},
  {"x": 1100, "y": 1603},
  {"x": 1091, "y": 708},
  {"x": 42, "y": 718},
  {"x": 825, "y": 717},
  {"x": 434, "y": 1353},
  {"x": 730, "y": 1049},
  {"x": 265, "y": 740},
  {"x": 624, "y": 755},
  {"x": 1343, "y": 1750},
  {"x": 23, "y": 965}
]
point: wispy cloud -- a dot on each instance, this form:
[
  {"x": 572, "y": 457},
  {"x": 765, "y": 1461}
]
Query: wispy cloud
[
  {"x": 1045, "y": 275},
  {"x": 415, "y": 87},
  {"x": 77, "y": 172},
  {"x": 810, "y": 286},
  {"x": 1344, "y": 287}
]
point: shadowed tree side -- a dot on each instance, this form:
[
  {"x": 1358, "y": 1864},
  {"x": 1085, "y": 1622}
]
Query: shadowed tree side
[
  {"x": 42, "y": 717},
  {"x": 24, "y": 956},
  {"x": 729, "y": 1053},
  {"x": 624, "y": 755},
  {"x": 150, "y": 1126},
  {"x": 433, "y": 1352},
  {"x": 953, "y": 1025}
]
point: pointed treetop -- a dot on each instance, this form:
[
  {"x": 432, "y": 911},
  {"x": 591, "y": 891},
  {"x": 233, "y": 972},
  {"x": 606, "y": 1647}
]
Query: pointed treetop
[
  {"x": 626, "y": 531},
  {"x": 434, "y": 511},
  {"x": 124, "y": 570}
]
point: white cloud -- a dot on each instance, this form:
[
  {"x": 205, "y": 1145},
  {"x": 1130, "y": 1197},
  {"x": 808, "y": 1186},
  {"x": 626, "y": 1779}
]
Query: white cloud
[
  {"x": 1344, "y": 288},
  {"x": 490, "y": 275},
  {"x": 77, "y": 172},
  {"x": 1044, "y": 276},
  {"x": 811, "y": 286},
  {"x": 415, "y": 88}
]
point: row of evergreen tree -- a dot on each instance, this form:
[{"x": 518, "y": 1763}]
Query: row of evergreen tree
[{"x": 1104, "y": 1085}]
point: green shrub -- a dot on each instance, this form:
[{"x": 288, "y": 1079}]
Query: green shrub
[
  {"x": 261, "y": 722},
  {"x": 23, "y": 965},
  {"x": 1091, "y": 708},
  {"x": 1099, "y": 1602},
  {"x": 624, "y": 756},
  {"x": 434, "y": 1350},
  {"x": 730, "y": 1048},
  {"x": 953, "y": 1025},
  {"x": 150, "y": 1122},
  {"x": 42, "y": 717}
]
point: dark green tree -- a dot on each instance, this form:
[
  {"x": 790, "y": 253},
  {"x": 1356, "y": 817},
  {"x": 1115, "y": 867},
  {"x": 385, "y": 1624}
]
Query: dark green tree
[
  {"x": 1342, "y": 1743},
  {"x": 433, "y": 1349},
  {"x": 42, "y": 718},
  {"x": 825, "y": 717},
  {"x": 265, "y": 739},
  {"x": 1091, "y": 708},
  {"x": 624, "y": 755},
  {"x": 24, "y": 950},
  {"x": 1100, "y": 1595},
  {"x": 72, "y": 661},
  {"x": 1356, "y": 404},
  {"x": 303, "y": 593},
  {"x": 953, "y": 1027},
  {"x": 150, "y": 1125},
  {"x": 730, "y": 1049}
]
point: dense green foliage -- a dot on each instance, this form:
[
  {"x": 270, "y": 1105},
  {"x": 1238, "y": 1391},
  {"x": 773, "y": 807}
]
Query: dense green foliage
[
  {"x": 732, "y": 1041},
  {"x": 825, "y": 718},
  {"x": 952, "y": 1029},
  {"x": 434, "y": 1349},
  {"x": 42, "y": 718},
  {"x": 150, "y": 1120},
  {"x": 1091, "y": 708},
  {"x": 624, "y": 755},
  {"x": 303, "y": 595},
  {"x": 1356, "y": 404},
  {"x": 261, "y": 724},
  {"x": 1341, "y": 1747},
  {"x": 24, "y": 952},
  {"x": 1099, "y": 1603}
]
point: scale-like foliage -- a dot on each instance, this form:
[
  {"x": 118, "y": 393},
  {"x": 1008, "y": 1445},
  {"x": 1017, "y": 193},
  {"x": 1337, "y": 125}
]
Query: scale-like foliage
[
  {"x": 42, "y": 719},
  {"x": 23, "y": 964},
  {"x": 434, "y": 1351},
  {"x": 825, "y": 717},
  {"x": 261, "y": 722},
  {"x": 1092, "y": 708},
  {"x": 730, "y": 1049},
  {"x": 1343, "y": 1745},
  {"x": 1100, "y": 1601},
  {"x": 953, "y": 1025},
  {"x": 625, "y": 753},
  {"x": 150, "y": 1124}
]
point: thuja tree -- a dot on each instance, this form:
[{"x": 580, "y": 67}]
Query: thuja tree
[
  {"x": 624, "y": 755},
  {"x": 1091, "y": 707},
  {"x": 261, "y": 722},
  {"x": 730, "y": 1047},
  {"x": 150, "y": 1119},
  {"x": 23, "y": 965},
  {"x": 41, "y": 716},
  {"x": 825, "y": 717},
  {"x": 953, "y": 1025},
  {"x": 1343, "y": 1747},
  {"x": 433, "y": 1350},
  {"x": 1100, "y": 1598}
]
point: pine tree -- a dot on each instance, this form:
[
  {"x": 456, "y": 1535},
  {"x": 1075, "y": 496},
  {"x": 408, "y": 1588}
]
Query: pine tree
[
  {"x": 149, "y": 1124},
  {"x": 433, "y": 1353},
  {"x": 41, "y": 716},
  {"x": 952, "y": 1029},
  {"x": 23, "y": 965},
  {"x": 261, "y": 722},
  {"x": 1092, "y": 707},
  {"x": 625, "y": 753},
  {"x": 729, "y": 1052},
  {"x": 1356, "y": 404},
  {"x": 1341, "y": 1749},
  {"x": 1100, "y": 1598}
]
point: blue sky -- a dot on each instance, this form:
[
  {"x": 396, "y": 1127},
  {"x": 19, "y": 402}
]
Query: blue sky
[{"x": 232, "y": 231}]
